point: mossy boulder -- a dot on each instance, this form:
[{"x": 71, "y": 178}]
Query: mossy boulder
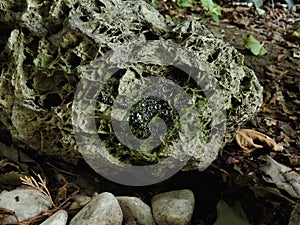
[{"x": 48, "y": 47}]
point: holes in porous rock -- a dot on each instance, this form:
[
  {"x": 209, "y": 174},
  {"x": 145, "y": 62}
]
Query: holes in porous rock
[
  {"x": 151, "y": 36},
  {"x": 44, "y": 10},
  {"x": 5, "y": 31},
  {"x": 36, "y": 100},
  {"x": 180, "y": 77},
  {"x": 213, "y": 57},
  {"x": 235, "y": 102},
  {"x": 65, "y": 9},
  {"x": 28, "y": 58},
  {"x": 61, "y": 84},
  {"x": 69, "y": 126},
  {"x": 245, "y": 83},
  {"x": 29, "y": 84},
  {"x": 84, "y": 18},
  {"x": 55, "y": 28},
  {"x": 99, "y": 4},
  {"x": 5, "y": 135},
  {"x": 73, "y": 59},
  {"x": 26, "y": 32},
  {"x": 59, "y": 145},
  {"x": 102, "y": 30},
  {"x": 20, "y": 6},
  {"x": 181, "y": 36},
  {"x": 69, "y": 98},
  {"x": 292, "y": 87},
  {"x": 117, "y": 33},
  {"x": 52, "y": 100}
]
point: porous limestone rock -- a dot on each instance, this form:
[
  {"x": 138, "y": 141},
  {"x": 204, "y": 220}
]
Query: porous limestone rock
[{"x": 46, "y": 47}]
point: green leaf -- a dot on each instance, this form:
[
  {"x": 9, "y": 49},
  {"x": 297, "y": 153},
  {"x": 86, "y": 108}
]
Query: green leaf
[
  {"x": 168, "y": 18},
  {"x": 254, "y": 46},
  {"x": 257, "y": 3},
  {"x": 215, "y": 18},
  {"x": 211, "y": 9},
  {"x": 207, "y": 4},
  {"x": 230, "y": 215},
  {"x": 184, "y": 3},
  {"x": 154, "y": 3}
]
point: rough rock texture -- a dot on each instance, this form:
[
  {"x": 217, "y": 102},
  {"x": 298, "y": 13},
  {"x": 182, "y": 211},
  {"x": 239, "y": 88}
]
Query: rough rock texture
[
  {"x": 47, "y": 46},
  {"x": 173, "y": 208}
]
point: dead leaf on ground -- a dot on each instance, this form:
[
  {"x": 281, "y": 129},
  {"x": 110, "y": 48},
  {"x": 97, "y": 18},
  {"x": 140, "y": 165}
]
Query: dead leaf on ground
[
  {"x": 269, "y": 193},
  {"x": 234, "y": 215},
  {"x": 295, "y": 216},
  {"x": 295, "y": 160},
  {"x": 61, "y": 194},
  {"x": 245, "y": 139},
  {"x": 283, "y": 177}
]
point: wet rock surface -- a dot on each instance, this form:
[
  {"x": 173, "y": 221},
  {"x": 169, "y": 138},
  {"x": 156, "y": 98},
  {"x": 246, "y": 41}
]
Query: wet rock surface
[{"x": 46, "y": 49}]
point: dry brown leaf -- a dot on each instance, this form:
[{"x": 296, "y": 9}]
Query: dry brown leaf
[
  {"x": 61, "y": 193},
  {"x": 246, "y": 137}
]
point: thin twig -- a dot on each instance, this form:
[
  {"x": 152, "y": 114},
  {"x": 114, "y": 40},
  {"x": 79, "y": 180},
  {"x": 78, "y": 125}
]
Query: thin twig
[{"x": 40, "y": 186}]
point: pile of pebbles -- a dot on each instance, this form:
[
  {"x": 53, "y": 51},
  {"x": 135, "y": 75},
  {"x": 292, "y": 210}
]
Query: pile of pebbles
[{"x": 174, "y": 207}]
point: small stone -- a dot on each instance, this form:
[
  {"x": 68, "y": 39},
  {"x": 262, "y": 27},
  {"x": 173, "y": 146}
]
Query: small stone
[
  {"x": 103, "y": 209},
  {"x": 58, "y": 218},
  {"x": 173, "y": 208},
  {"x": 25, "y": 202},
  {"x": 135, "y": 210},
  {"x": 82, "y": 200}
]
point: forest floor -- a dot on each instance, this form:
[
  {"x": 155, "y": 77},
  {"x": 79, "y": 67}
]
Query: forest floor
[{"x": 239, "y": 177}]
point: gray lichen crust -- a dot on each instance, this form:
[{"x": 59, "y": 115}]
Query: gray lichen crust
[{"x": 47, "y": 45}]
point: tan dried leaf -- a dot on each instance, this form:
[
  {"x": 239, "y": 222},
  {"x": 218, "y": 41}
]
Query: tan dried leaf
[
  {"x": 245, "y": 139},
  {"x": 61, "y": 193}
]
